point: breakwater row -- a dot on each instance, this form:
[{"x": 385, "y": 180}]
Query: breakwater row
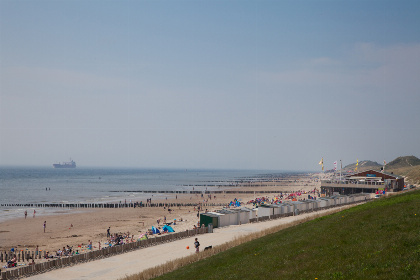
[
  {"x": 140, "y": 204},
  {"x": 106, "y": 205}
]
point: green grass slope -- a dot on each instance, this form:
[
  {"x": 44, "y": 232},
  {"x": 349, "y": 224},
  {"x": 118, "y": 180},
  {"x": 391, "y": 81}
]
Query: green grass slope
[{"x": 377, "y": 240}]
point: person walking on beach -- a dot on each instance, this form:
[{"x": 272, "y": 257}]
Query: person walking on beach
[
  {"x": 108, "y": 232},
  {"x": 34, "y": 213},
  {"x": 197, "y": 245},
  {"x": 45, "y": 225},
  {"x": 26, "y": 214}
]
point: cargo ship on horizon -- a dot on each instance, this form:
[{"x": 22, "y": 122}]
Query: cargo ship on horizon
[{"x": 70, "y": 164}]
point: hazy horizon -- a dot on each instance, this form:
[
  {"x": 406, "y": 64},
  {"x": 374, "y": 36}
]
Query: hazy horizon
[{"x": 243, "y": 85}]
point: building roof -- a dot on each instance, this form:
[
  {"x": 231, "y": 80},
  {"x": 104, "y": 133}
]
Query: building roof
[{"x": 379, "y": 174}]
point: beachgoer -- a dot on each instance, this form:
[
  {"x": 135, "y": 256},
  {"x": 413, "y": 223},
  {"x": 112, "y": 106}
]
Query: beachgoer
[
  {"x": 45, "y": 225},
  {"x": 34, "y": 213},
  {"x": 108, "y": 233},
  {"x": 12, "y": 261},
  {"x": 26, "y": 214},
  {"x": 197, "y": 245}
]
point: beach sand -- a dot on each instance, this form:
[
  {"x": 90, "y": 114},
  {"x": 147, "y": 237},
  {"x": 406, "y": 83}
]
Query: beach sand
[{"x": 92, "y": 224}]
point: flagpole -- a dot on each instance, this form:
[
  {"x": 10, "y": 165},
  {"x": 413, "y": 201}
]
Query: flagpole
[
  {"x": 341, "y": 167},
  {"x": 322, "y": 165}
]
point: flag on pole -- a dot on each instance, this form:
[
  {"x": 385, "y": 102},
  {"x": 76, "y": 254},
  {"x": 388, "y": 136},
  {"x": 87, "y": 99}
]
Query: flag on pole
[
  {"x": 357, "y": 163},
  {"x": 335, "y": 165},
  {"x": 322, "y": 163}
]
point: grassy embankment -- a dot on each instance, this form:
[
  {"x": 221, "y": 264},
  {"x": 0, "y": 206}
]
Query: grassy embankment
[{"x": 376, "y": 240}]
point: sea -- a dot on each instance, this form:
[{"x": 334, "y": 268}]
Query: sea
[{"x": 26, "y": 185}]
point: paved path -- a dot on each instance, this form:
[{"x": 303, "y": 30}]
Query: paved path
[{"x": 136, "y": 261}]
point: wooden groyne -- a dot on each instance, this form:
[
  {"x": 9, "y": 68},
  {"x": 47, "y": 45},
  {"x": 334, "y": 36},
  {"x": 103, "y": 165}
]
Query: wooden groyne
[
  {"x": 206, "y": 192},
  {"x": 140, "y": 204},
  {"x": 107, "y": 205}
]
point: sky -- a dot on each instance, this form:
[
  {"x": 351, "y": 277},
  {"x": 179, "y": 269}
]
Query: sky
[{"x": 272, "y": 85}]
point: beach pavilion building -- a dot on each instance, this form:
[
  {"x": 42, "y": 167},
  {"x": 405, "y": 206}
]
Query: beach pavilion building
[{"x": 368, "y": 181}]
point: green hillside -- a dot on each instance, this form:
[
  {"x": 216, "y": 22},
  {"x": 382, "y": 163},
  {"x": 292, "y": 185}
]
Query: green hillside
[
  {"x": 363, "y": 165},
  {"x": 407, "y": 161},
  {"x": 376, "y": 240}
]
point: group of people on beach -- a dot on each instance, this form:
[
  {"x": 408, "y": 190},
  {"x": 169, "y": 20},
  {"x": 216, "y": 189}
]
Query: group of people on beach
[
  {"x": 65, "y": 252},
  {"x": 26, "y": 214},
  {"x": 281, "y": 197},
  {"x": 116, "y": 238}
]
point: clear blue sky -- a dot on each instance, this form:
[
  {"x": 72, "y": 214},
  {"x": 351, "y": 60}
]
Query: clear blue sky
[{"x": 209, "y": 84}]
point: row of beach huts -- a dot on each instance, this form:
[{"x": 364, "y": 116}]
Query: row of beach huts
[{"x": 243, "y": 215}]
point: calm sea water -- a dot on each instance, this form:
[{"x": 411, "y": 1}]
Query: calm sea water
[{"x": 86, "y": 185}]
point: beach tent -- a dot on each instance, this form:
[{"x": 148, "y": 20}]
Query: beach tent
[
  {"x": 143, "y": 237},
  {"x": 168, "y": 228},
  {"x": 155, "y": 230}
]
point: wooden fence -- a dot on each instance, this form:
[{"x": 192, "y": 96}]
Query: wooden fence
[{"x": 14, "y": 273}]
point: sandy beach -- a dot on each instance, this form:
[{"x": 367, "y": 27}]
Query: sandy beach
[{"x": 76, "y": 229}]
